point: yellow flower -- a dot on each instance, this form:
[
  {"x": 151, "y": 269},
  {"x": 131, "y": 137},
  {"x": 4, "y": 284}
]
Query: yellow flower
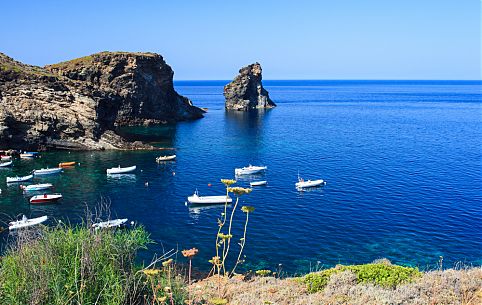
[
  {"x": 190, "y": 253},
  {"x": 247, "y": 209},
  {"x": 239, "y": 190},
  {"x": 224, "y": 236},
  {"x": 151, "y": 272},
  {"x": 228, "y": 182},
  {"x": 161, "y": 299},
  {"x": 263, "y": 272},
  {"x": 215, "y": 260},
  {"x": 167, "y": 263}
]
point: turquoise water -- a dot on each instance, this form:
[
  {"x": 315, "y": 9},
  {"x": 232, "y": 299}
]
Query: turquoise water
[{"x": 402, "y": 161}]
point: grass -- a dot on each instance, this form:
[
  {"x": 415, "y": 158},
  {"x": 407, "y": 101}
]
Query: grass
[{"x": 76, "y": 265}]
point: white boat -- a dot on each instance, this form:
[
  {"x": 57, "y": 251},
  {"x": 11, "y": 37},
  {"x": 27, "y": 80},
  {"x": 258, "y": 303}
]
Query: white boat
[
  {"x": 249, "y": 170},
  {"x": 25, "y": 222},
  {"x": 5, "y": 164},
  {"x": 36, "y": 187},
  {"x": 302, "y": 184},
  {"x": 19, "y": 179},
  {"x": 27, "y": 156},
  {"x": 109, "y": 224},
  {"x": 196, "y": 199},
  {"x": 47, "y": 171},
  {"x": 5, "y": 158},
  {"x": 165, "y": 158},
  {"x": 45, "y": 198},
  {"x": 258, "y": 183},
  {"x": 121, "y": 170}
]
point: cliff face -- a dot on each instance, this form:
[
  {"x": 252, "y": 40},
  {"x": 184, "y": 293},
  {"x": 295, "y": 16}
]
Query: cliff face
[
  {"x": 79, "y": 104},
  {"x": 246, "y": 91}
]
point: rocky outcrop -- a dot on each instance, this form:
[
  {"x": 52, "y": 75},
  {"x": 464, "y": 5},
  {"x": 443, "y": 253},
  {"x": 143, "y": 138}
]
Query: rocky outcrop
[
  {"x": 246, "y": 91},
  {"x": 80, "y": 104}
]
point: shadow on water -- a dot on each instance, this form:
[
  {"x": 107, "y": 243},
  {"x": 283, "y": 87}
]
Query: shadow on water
[{"x": 162, "y": 135}]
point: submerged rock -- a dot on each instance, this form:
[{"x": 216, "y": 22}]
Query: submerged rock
[
  {"x": 246, "y": 91},
  {"x": 79, "y": 104}
]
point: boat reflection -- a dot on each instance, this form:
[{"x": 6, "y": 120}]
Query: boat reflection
[
  {"x": 121, "y": 177},
  {"x": 195, "y": 210}
]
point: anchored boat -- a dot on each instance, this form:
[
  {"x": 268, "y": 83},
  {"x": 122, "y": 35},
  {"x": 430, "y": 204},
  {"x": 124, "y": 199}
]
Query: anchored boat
[
  {"x": 109, "y": 224},
  {"x": 25, "y": 222},
  {"x": 258, "y": 183},
  {"x": 196, "y": 199},
  {"x": 302, "y": 184},
  {"x": 5, "y": 164},
  {"x": 165, "y": 158},
  {"x": 249, "y": 170},
  {"x": 46, "y": 171},
  {"x": 5, "y": 158},
  {"x": 19, "y": 179},
  {"x": 46, "y": 198},
  {"x": 121, "y": 170},
  {"x": 67, "y": 164},
  {"x": 36, "y": 187}
]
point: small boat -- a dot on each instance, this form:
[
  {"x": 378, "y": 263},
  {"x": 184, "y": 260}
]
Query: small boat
[
  {"x": 47, "y": 171},
  {"x": 5, "y": 164},
  {"x": 109, "y": 224},
  {"x": 67, "y": 164},
  {"x": 258, "y": 183},
  {"x": 45, "y": 198},
  {"x": 36, "y": 187},
  {"x": 249, "y": 170},
  {"x": 25, "y": 222},
  {"x": 121, "y": 170},
  {"x": 165, "y": 158},
  {"x": 5, "y": 158},
  {"x": 27, "y": 156},
  {"x": 196, "y": 199},
  {"x": 302, "y": 184},
  {"x": 19, "y": 179}
]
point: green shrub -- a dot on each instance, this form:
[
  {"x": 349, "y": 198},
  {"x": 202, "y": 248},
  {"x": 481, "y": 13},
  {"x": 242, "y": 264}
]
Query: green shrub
[
  {"x": 72, "y": 266},
  {"x": 384, "y": 275}
]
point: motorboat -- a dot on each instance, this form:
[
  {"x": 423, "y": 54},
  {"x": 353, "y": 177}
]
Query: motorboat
[
  {"x": 121, "y": 170},
  {"x": 67, "y": 164},
  {"x": 196, "y": 199},
  {"x": 109, "y": 224},
  {"x": 5, "y": 158},
  {"x": 46, "y": 171},
  {"x": 25, "y": 222},
  {"x": 36, "y": 187},
  {"x": 28, "y": 155},
  {"x": 302, "y": 184},
  {"x": 249, "y": 170},
  {"x": 6, "y": 164},
  {"x": 165, "y": 158},
  {"x": 258, "y": 183},
  {"x": 19, "y": 179},
  {"x": 46, "y": 198}
]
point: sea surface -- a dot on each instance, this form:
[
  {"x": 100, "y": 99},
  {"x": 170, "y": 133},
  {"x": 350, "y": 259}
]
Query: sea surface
[{"x": 402, "y": 161}]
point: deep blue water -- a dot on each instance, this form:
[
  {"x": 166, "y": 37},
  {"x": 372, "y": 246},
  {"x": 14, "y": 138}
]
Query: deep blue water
[{"x": 402, "y": 161}]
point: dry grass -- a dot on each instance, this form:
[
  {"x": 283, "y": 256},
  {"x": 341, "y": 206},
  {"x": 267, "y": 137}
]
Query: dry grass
[{"x": 436, "y": 287}]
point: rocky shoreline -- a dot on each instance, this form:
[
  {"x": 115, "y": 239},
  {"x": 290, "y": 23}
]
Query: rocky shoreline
[{"x": 79, "y": 104}]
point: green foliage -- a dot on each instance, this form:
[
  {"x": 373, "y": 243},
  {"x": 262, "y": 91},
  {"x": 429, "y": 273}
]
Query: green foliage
[
  {"x": 72, "y": 266},
  {"x": 384, "y": 275}
]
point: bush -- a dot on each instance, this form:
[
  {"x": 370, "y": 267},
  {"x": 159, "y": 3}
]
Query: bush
[
  {"x": 381, "y": 274},
  {"x": 66, "y": 265}
]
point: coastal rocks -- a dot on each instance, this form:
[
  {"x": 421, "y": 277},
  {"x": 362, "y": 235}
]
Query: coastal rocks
[
  {"x": 246, "y": 91},
  {"x": 79, "y": 104}
]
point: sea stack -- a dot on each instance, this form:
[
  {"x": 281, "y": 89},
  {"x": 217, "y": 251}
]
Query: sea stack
[
  {"x": 246, "y": 91},
  {"x": 79, "y": 104}
]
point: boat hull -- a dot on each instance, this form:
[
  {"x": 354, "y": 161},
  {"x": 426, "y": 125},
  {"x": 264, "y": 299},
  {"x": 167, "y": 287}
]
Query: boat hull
[
  {"x": 47, "y": 171},
  {"x": 209, "y": 199},
  {"x": 19, "y": 179},
  {"x": 309, "y": 183},
  {"x": 258, "y": 183},
  {"x": 165, "y": 158},
  {"x": 67, "y": 164},
  {"x": 121, "y": 170},
  {"x": 6, "y": 164},
  {"x": 26, "y": 223},
  {"x": 45, "y": 198},
  {"x": 110, "y": 223},
  {"x": 37, "y": 187},
  {"x": 250, "y": 170}
]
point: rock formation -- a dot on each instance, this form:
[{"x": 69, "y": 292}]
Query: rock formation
[
  {"x": 79, "y": 104},
  {"x": 246, "y": 91}
]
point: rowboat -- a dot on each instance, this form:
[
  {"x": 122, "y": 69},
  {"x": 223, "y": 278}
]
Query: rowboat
[
  {"x": 302, "y": 184},
  {"x": 5, "y": 164},
  {"x": 258, "y": 183},
  {"x": 109, "y": 224},
  {"x": 165, "y": 158},
  {"x": 45, "y": 198},
  {"x": 25, "y": 222},
  {"x": 67, "y": 164},
  {"x": 36, "y": 187},
  {"x": 5, "y": 158},
  {"x": 249, "y": 170},
  {"x": 47, "y": 171},
  {"x": 121, "y": 170},
  {"x": 196, "y": 199},
  {"x": 19, "y": 179}
]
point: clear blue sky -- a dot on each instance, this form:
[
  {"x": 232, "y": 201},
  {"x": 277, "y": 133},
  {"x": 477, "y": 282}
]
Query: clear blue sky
[{"x": 297, "y": 39}]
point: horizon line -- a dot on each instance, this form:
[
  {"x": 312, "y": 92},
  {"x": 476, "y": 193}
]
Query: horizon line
[{"x": 338, "y": 79}]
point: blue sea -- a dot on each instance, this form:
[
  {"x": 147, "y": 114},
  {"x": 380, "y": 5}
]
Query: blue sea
[{"x": 402, "y": 161}]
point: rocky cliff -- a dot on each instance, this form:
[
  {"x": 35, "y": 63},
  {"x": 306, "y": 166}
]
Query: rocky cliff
[
  {"x": 246, "y": 91},
  {"x": 79, "y": 104}
]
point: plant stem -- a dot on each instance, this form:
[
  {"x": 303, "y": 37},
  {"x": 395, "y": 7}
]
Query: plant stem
[
  {"x": 242, "y": 243},
  {"x": 225, "y": 253}
]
